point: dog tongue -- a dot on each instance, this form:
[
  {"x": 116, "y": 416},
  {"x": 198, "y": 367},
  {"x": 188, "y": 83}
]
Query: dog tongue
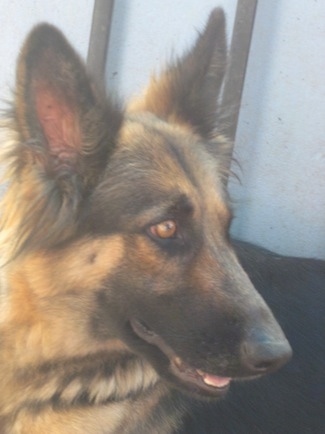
[{"x": 214, "y": 381}]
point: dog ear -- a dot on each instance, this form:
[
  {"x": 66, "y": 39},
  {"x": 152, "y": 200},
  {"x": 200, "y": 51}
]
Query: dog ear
[
  {"x": 187, "y": 92},
  {"x": 57, "y": 110},
  {"x": 65, "y": 136}
]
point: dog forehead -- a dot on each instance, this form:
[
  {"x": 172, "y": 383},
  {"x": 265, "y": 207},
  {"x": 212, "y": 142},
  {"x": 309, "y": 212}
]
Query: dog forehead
[
  {"x": 157, "y": 163},
  {"x": 154, "y": 169},
  {"x": 169, "y": 150}
]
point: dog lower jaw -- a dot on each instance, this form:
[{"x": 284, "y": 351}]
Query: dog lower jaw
[{"x": 202, "y": 382}]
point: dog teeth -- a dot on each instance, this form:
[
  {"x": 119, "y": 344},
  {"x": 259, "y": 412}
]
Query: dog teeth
[{"x": 208, "y": 379}]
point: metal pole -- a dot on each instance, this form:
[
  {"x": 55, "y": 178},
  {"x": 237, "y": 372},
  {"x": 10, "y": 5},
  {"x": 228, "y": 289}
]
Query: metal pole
[
  {"x": 239, "y": 51},
  {"x": 98, "y": 41}
]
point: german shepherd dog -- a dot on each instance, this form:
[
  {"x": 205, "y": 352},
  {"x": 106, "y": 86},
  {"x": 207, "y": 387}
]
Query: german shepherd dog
[{"x": 120, "y": 291}]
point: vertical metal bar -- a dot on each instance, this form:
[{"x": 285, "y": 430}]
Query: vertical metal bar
[
  {"x": 99, "y": 37},
  {"x": 239, "y": 51}
]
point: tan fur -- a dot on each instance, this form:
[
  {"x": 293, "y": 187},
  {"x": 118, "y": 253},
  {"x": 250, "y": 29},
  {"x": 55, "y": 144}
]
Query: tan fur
[
  {"x": 90, "y": 421},
  {"x": 157, "y": 98}
]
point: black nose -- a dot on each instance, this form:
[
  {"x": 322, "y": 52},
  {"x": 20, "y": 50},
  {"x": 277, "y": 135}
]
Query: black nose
[{"x": 260, "y": 354}]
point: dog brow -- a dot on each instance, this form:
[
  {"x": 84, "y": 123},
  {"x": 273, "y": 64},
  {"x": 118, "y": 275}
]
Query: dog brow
[
  {"x": 182, "y": 204},
  {"x": 177, "y": 206},
  {"x": 181, "y": 160}
]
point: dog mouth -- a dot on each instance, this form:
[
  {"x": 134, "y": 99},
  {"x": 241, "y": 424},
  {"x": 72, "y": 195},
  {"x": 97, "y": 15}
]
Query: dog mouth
[{"x": 189, "y": 376}]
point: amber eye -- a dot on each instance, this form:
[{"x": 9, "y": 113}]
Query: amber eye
[{"x": 164, "y": 230}]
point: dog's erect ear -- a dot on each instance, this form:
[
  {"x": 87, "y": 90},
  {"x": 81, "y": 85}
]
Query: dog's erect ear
[
  {"x": 57, "y": 110},
  {"x": 187, "y": 92},
  {"x": 65, "y": 136}
]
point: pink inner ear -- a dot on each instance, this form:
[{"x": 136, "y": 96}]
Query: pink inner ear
[{"x": 59, "y": 121}]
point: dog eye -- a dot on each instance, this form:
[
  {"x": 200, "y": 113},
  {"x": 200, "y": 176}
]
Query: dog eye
[{"x": 164, "y": 230}]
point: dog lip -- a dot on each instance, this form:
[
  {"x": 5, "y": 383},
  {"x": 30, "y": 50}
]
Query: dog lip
[
  {"x": 151, "y": 337},
  {"x": 199, "y": 377},
  {"x": 178, "y": 367}
]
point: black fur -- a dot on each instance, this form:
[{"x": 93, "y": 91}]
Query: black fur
[{"x": 291, "y": 401}]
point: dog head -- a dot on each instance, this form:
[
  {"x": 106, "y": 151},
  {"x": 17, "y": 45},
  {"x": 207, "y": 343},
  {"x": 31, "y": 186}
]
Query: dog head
[{"x": 132, "y": 209}]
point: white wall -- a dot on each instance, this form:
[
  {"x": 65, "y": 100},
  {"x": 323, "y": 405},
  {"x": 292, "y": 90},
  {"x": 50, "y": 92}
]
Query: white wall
[
  {"x": 17, "y": 17},
  {"x": 281, "y": 136},
  {"x": 280, "y": 141},
  {"x": 147, "y": 33}
]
